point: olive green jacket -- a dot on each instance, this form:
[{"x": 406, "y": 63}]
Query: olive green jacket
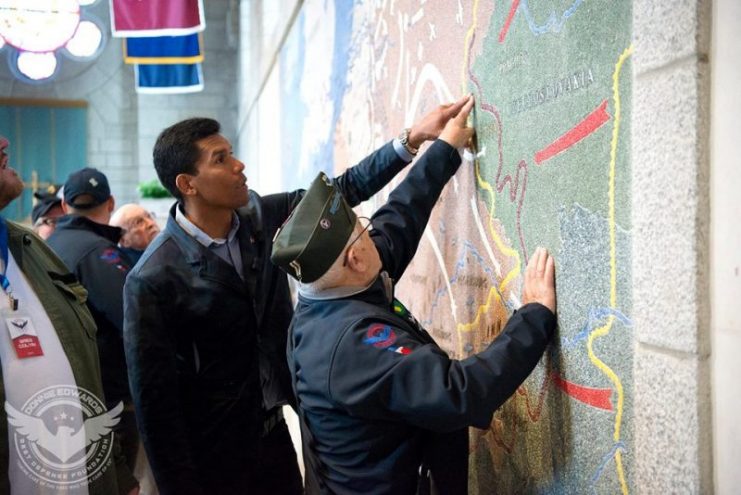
[{"x": 63, "y": 299}]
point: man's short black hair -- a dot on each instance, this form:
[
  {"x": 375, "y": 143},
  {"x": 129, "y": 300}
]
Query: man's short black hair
[{"x": 175, "y": 151}]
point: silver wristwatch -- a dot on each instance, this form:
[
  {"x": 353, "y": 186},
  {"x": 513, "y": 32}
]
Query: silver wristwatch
[{"x": 404, "y": 140}]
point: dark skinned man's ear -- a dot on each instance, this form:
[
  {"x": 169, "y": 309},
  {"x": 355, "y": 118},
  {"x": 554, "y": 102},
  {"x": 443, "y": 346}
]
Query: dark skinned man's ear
[{"x": 184, "y": 184}]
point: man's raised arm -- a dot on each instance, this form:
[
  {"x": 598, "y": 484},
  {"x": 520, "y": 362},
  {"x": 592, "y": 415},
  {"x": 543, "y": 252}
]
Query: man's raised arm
[{"x": 371, "y": 174}]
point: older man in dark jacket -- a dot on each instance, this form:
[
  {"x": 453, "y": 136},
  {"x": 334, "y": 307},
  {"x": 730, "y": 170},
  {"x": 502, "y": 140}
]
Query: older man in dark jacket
[
  {"x": 89, "y": 248},
  {"x": 380, "y": 402},
  {"x": 207, "y": 314}
]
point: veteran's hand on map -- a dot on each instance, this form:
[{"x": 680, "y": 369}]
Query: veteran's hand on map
[
  {"x": 540, "y": 280},
  {"x": 456, "y": 133},
  {"x": 431, "y": 125}
]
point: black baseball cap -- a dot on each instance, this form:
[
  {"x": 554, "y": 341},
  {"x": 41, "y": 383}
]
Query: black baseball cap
[
  {"x": 89, "y": 181},
  {"x": 44, "y": 204},
  {"x": 316, "y": 232}
]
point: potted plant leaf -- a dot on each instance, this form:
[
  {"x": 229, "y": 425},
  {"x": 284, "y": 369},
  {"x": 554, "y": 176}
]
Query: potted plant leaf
[{"x": 155, "y": 198}]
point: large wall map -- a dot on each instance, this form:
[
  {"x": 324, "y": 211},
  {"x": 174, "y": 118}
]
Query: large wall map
[{"x": 552, "y": 85}]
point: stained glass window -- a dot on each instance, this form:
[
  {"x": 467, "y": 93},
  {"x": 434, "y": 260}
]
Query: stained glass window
[{"x": 37, "y": 29}]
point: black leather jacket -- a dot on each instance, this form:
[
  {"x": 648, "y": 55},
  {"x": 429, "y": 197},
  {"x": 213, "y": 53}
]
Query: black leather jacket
[{"x": 195, "y": 332}]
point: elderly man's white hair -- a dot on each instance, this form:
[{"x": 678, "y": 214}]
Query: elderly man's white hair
[{"x": 121, "y": 215}]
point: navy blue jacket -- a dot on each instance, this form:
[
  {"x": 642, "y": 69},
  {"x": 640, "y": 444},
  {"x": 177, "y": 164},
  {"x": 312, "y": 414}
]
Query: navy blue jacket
[
  {"x": 206, "y": 348},
  {"x": 90, "y": 251},
  {"x": 379, "y": 397}
]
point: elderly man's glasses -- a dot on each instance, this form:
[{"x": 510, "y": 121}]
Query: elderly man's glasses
[
  {"x": 140, "y": 220},
  {"x": 49, "y": 222},
  {"x": 367, "y": 225}
]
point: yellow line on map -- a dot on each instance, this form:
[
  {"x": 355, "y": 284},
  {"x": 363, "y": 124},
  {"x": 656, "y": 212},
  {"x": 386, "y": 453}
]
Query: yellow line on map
[
  {"x": 507, "y": 251},
  {"x": 467, "y": 327},
  {"x": 605, "y": 329},
  {"x": 483, "y": 184},
  {"x": 466, "y": 44}
]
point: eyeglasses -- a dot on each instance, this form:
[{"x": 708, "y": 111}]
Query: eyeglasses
[
  {"x": 49, "y": 222},
  {"x": 141, "y": 219},
  {"x": 368, "y": 226}
]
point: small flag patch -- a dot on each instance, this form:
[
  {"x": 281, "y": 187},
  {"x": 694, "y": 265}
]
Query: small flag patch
[{"x": 383, "y": 337}]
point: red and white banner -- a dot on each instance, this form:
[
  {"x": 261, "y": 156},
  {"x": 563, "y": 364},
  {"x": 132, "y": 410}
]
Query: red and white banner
[{"x": 145, "y": 18}]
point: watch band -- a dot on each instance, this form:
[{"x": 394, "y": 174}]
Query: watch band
[{"x": 404, "y": 140}]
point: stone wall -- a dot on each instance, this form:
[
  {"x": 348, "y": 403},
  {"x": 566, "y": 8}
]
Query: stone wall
[{"x": 671, "y": 219}]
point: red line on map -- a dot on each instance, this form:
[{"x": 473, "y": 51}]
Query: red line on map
[
  {"x": 534, "y": 413},
  {"x": 591, "y": 123},
  {"x": 595, "y": 397},
  {"x": 518, "y": 184},
  {"x": 510, "y": 16}
]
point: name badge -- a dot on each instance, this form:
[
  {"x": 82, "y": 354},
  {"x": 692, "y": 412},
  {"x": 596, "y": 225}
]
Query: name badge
[{"x": 22, "y": 334}]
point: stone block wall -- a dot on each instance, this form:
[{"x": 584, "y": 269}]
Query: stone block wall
[{"x": 670, "y": 217}]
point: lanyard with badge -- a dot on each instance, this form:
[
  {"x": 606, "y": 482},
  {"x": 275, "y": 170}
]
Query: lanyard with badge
[{"x": 19, "y": 324}]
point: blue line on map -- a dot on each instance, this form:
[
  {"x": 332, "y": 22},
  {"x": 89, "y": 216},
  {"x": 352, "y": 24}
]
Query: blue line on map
[
  {"x": 553, "y": 24},
  {"x": 603, "y": 463},
  {"x": 468, "y": 247},
  {"x": 596, "y": 317}
]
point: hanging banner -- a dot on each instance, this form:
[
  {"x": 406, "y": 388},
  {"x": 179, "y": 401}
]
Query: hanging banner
[
  {"x": 147, "y": 18},
  {"x": 168, "y": 79},
  {"x": 164, "y": 50}
]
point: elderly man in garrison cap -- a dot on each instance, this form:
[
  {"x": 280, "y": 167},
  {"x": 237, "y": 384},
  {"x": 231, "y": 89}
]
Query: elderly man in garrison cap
[
  {"x": 89, "y": 248},
  {"x": 380, "y": 403}
]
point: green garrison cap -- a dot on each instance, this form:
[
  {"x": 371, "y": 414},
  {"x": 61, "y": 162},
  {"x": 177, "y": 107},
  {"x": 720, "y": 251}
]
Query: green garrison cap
[{"x": 316, "y": 232}]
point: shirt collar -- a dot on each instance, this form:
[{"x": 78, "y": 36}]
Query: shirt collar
[
  {"x": 340, "y": 292},
  {"x": 199, "y": 235}
]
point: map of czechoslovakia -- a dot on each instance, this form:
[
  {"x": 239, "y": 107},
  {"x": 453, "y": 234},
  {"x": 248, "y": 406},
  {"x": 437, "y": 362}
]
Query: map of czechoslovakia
[{"x": 552, "y": 87}]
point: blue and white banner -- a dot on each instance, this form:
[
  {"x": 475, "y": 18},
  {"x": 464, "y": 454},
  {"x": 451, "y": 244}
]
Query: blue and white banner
[{"x": 168, "y": 78}]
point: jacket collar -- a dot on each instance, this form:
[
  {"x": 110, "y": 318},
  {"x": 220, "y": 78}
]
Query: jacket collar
[
  {"x": 207, "y": 263},
  {"x": 192, "y": 250},
  {"x": 16, "y": 239},
  {"x": 77, "y": 222}
]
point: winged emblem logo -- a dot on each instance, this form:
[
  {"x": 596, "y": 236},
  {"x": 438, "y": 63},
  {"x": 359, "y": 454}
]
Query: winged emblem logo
[
  {"x": 21, "y": 324},
  {"x": 66, "y": 442}
]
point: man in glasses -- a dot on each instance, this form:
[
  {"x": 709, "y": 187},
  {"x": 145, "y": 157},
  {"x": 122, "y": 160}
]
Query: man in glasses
[
  {"x": 380, "y": 403},
  {"x": 46, "y": 211},
  {"x": 139, "y": 229}
]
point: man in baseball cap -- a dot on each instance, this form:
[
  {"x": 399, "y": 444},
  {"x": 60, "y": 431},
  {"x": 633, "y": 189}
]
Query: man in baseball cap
[
  {"x": 89, "y": 248},
  {"x": 86, "y": 189}
]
